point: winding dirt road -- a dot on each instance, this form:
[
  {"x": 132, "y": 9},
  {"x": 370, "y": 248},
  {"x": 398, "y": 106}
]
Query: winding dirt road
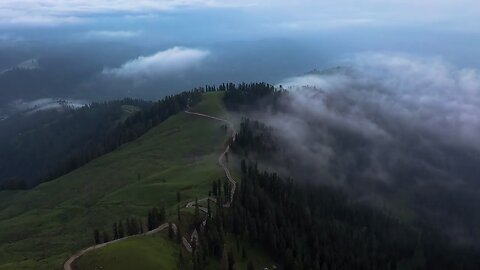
[
  {"x": 194, "y": 236},
  {"x": 68, "y": 264},
  {"x": 221, "y": 158}
]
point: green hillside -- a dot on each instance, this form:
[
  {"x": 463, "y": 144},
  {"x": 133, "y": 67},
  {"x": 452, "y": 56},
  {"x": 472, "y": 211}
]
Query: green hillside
[
  {"x": 159, "y": 252},
  {"x": 151, "y": 252},
  {"x": 52, "y": 142},
  {"x": 40, "y": 228}
]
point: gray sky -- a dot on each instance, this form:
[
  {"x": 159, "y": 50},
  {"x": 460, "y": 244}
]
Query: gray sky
[
  {"x": 186, "y": 43},
  {"x": 301, "y": 15}
]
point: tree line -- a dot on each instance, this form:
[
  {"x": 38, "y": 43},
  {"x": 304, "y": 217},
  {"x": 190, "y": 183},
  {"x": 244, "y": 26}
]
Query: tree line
[
  {"x": 32, "y": 144},
  {"x": 44, "y": 145},
  {"x": 254, "y": 137},
  {"x": 131, "y": 226},
  {"x": 129, "y": 130},
  {"x": 48, "y": 144},
  {"x": 317, "y": 227},
  {"x": 247, "y": 96}
]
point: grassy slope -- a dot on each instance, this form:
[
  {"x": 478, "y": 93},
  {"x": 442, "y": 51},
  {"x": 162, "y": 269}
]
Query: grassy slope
[
  {"x": 143, "y": 252},
  {"x": 108, "y": 258},
  {"x": 40, "y": 228}
]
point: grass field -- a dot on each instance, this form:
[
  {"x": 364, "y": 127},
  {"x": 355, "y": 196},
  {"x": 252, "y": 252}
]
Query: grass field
[
  {"x": 145, "y": 258},
  {"x": 42, "y": 227},
  {"x": 152, "y": 252}
]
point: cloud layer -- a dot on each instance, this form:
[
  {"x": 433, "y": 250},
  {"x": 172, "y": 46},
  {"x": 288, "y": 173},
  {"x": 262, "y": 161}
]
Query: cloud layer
[
  {"x": 298, "y": 15},
  {"x": 166, "y": 62},
  {"x": 44, "y": 104},
  {"x": 390, "y": 126},
  {"x": 427, "y": 95},
  {"x": 384, "y": 116},
  {"x": 59, "y": 12}
]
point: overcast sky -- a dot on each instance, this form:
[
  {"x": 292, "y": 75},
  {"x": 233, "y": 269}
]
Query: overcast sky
[
  {"x": 461, "y": 15},
  {"x": 155, "y": 39}
]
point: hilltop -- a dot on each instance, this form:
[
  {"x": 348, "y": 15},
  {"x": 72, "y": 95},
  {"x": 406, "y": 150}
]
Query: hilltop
[{"x": 39, "y": 228}]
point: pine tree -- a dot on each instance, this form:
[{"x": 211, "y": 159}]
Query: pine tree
[
  {"x": 231, "y": 260},
  {"x": 171, "y": 233},
  {"x": 181, "y": 260},
  {"x": 128, "y": 226},
  {"x": 150, "y": 221},
  {"x": 106, "y": 238},
  {"x": 225, "y": 263},
  {"x": 141, "y": 227},
  {"x": 214, "y": 188},
  {"x": 135, "y": 229},
  {"x": 226, "y": 190},
  {"x": 155, "y": 218},
  {"x": 162, "y": 215},
  {"x": 243, "y": 166},
  {"x": 219, "y": 188},
  {"x": 209, "y": 212},
  {"x": 96, "y": 236},
  {"x": 250, "y": 266},
  {"x": 197, "y": 213},
  {"x": 121, "y": 232},
  {"x": 115, "y": 231},
  {"x": 179, "y": 235}
]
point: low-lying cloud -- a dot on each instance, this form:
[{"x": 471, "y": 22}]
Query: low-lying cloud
[
  {"x": 174, "y": 60},
  {"x": 392, "y": 125},
  {"x": 30, "y": 64},
  {"x": 427, "y": 95},
  {"x": 44, "y": 104}
]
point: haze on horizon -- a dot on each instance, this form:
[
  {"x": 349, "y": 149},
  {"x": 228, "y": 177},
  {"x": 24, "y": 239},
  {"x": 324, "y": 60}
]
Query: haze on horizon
[{"x": 147, "y": 49}]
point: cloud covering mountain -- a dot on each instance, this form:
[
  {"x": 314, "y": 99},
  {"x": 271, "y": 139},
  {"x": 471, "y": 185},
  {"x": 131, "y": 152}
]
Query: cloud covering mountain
[
  {"x": 390, "y": 127},
  {"x": 428, "y": 96}
]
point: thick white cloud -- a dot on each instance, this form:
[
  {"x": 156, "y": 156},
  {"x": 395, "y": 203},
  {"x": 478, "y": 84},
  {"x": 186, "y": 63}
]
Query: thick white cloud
[
  {"x": 426, "y": 95},
  {"x": 166, "y": 62}
]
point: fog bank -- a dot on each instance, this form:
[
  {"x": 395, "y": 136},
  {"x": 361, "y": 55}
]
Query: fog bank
[{"x": 391, "y": 128}]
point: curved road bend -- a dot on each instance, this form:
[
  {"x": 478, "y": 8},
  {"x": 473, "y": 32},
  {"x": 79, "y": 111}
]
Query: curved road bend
[
  {"x": 221, "y": 162},
  {"x": 68, "y": 264},
  {"x": 221, "y": 158}
]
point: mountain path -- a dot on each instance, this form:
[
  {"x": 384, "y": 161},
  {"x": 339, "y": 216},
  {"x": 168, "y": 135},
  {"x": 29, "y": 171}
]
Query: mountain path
[{"x": 187, "y": 244}]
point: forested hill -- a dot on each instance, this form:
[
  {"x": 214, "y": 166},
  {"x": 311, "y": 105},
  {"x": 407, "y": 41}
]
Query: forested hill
[
  {"x": 41, "y": 146},
  {"x": 314, "y": 226},
  {"x": 33, "y": 144},
  {"x": 37, "y": 147}
]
